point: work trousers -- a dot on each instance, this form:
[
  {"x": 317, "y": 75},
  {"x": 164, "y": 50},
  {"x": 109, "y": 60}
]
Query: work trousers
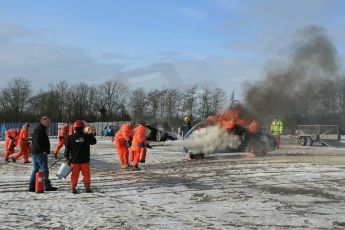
[
  {"x": 84, "y": 168},
  {"x": 122, "y": 150}
]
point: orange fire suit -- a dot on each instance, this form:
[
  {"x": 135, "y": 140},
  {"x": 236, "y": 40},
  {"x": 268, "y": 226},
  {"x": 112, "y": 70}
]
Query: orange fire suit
[
  {"x": 125, "y": 134},
  {"x": 138, "y": 143},
  {"x": 63, "y": 135},
  {"x": 10, "y": 142},
  {"x": 85, "y": 171},
  {"x": 24, "y": 144}
]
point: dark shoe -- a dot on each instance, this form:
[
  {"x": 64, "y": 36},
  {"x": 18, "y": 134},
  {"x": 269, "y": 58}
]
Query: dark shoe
[
  {"x": 55, "y": 156},
  {"x": 136, "y": 168},
  {"x": 51, "y": 188},
  {"x": 27, "y": 162},
  {"x": 88, "y": 189},
  {"x": 32, "y": 188},
  {"x": 142, "y": 161},
  {"x": 124, "y": 166},
  {"x": 6, "y": 160},
  {"x": 13, "y": 160},
  {"x": 74, "y": 189}
]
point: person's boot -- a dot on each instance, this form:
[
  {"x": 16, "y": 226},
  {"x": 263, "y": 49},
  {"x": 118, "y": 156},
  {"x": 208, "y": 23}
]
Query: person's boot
[
  {"x": 50, "y": 188},
  {"x": 27, "y": 162},
  {"x": 56, "y": 156},
  {"x": 136, "y": 168},
  {"x": 32, "y": 187},
  {"x": 13, "y": 160},
  {"x": 88, "y": 189},
  {"x": 124, "y": 166},
  {"x": 7, "y": 160},
  {"x": 142, "y": 161},
  {"x": 74, "y": 189}
]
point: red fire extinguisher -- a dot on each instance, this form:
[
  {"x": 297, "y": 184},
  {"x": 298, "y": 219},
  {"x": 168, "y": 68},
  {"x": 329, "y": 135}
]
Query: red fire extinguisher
[
  {"x": 142, "y": 155},
  {"x": 39, "y": 186}
]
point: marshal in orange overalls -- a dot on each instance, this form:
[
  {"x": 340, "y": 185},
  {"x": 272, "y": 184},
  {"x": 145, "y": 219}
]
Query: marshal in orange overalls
[
  {"x": 122, "y": 137},
  {"x": 138, "y": 144},
  {"x": 10, "y": 142},
  {"x": 24, "y": 145},
  {"x": 63, "y": 135}
]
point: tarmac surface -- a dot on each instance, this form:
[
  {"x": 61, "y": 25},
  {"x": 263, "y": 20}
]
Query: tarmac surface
[{"x": 293, "y": 187}]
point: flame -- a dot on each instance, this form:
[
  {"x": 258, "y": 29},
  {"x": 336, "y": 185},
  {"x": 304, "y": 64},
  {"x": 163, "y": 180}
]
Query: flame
[{"x": 232, "y": 117}]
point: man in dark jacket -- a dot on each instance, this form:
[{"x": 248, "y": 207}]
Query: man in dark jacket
[
  {"x": 77, "y": 153},
  {"x": 40, "y": 149}
]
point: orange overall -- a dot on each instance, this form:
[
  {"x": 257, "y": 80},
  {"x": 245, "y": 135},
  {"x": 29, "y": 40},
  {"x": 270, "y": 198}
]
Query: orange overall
[
  {"x": 10, "y": 142},
  {"x": 138, "y": 143},
  {"x": 63, "y": 135},
  {"x": 84, "y": 168},
  {"x": 122, "y": 136},
  {"x": 23, "y": 142}
]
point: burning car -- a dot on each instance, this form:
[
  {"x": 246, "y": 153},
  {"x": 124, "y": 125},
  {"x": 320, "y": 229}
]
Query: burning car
[{"x": 230, "y": 131}]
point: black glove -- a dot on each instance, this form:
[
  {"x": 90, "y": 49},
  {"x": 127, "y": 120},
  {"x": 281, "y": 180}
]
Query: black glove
[
  {"x": 128, "y": 143},
  {"x": 148, "y": 146},
  {"x": 61, "y": 137},
  {"x": 142, "y": 144},
  {"x": 68, "y": 161}
]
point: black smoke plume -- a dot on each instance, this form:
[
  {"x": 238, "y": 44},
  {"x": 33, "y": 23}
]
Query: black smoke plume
[{"x": 287, "y": 90}]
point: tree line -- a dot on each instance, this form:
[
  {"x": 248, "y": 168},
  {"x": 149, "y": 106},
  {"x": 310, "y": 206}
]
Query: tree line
[{"x": 108, "y": 101}]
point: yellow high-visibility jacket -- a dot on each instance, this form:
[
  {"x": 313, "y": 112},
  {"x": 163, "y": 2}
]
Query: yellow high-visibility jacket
[{"x": 277, "y": 127}]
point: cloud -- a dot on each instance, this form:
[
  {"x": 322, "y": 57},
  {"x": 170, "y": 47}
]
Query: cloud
[
  {"x": 194, "y": 14},
  {"x": 28, "y": 53}
]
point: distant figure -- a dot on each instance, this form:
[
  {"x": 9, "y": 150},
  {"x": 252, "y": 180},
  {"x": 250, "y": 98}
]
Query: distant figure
[
  {"x": 40, "y": 149},
  {"x": 277, "y": 130},
  {"x": 24, "y": 144},
  {"x": 186, "y": 125},
  {"x": 63, "y": 135},
  {"x": 123, "y": 139},
  {"x": 10, "y": 143},
  {"x": 77, "y": 153}
]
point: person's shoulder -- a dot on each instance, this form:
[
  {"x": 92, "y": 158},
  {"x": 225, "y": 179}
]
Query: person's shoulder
[
  {"x": 90, "y": 136},
  {"x": 37, "y": 128}
]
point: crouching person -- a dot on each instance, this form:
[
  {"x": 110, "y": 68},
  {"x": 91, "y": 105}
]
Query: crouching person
[
  {"x": 139, "y": 144},
  {"x": 77, "y": 153}
]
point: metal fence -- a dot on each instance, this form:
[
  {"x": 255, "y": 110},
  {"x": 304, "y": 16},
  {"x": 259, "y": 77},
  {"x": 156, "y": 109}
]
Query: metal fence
[
  {"x": 53, "y": 129},
  {"x": 101, "y": 125}
]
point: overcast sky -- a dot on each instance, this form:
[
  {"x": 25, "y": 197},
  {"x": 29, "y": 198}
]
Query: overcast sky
[{"x": 155, "y": 43}]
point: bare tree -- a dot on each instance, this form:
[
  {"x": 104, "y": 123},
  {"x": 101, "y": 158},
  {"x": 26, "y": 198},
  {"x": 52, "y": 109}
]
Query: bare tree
[
  {"x": 153, "y": 103},
  {"x": 217, "y": 100},
  {"x": 81, "y": 104},
  {"x": 205, "y": 103},
  {"x": 15, "y": 98},
  {"x": 189, "y": 100},
  {"x": 112, "y": 95},
  {"x": 62, "y": 90},
  {"x": 45, "y": 103},
  {"x": 137, "y": 104}
]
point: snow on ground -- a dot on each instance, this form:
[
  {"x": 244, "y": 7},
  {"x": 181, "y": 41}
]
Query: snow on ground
[{"x": 293, "y": 187}]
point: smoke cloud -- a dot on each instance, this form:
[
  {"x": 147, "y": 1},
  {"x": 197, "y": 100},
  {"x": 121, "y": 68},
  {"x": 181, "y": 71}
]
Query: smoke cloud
[
  {"x": 210, "y": 140},
  {"x": 313, "y": 60}
]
